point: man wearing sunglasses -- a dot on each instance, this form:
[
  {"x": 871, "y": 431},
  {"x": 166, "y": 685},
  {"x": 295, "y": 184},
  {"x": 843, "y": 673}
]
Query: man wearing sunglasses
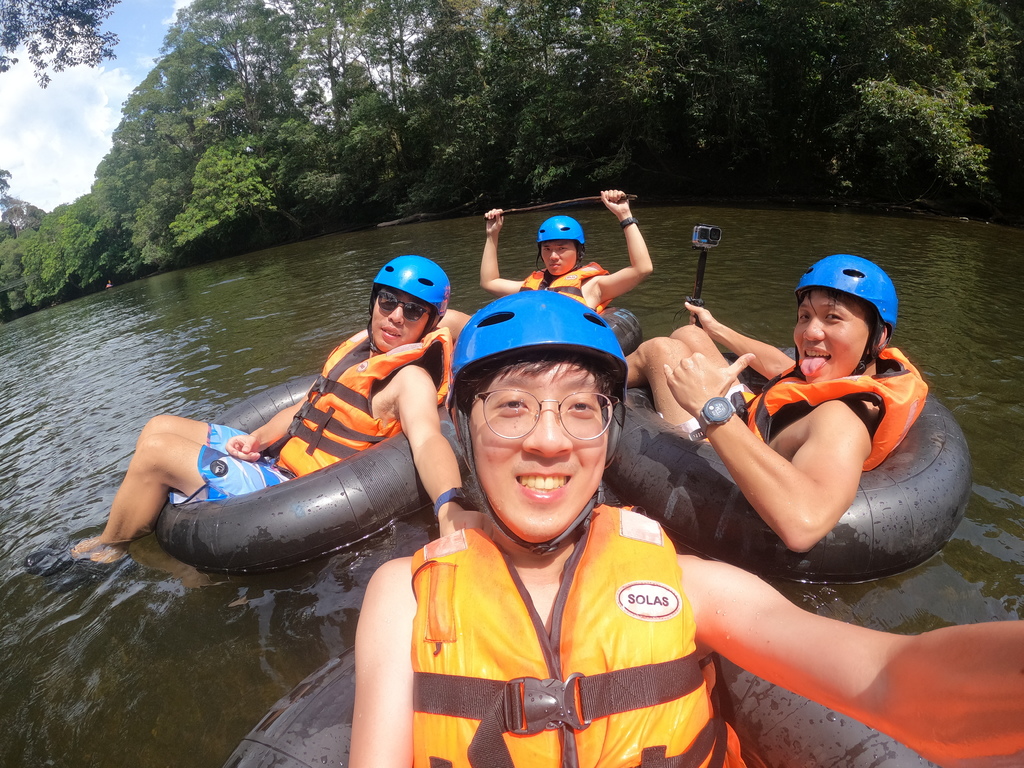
[{"x": 389, "y": 378}]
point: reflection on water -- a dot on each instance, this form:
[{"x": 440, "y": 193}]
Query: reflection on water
[{"x": 174, "y": 667}]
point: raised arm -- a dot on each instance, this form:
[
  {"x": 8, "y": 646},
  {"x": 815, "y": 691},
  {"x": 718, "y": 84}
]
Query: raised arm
[
  {"x": 490, "y": 277},
  {"x": 951, "y": 694},
  {"x": 603, "y": 289},
  {"x": 383, "y": 719},
  {"x": 801, "y": 484}
]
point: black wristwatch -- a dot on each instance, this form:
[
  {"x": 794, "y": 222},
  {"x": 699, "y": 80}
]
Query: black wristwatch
[
  {"x": 717, "y": 410},
  {"x": 629, "y": 220},
  {"x": 452, "y": 494}
]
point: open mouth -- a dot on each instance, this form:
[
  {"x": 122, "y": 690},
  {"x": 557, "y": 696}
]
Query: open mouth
[
  {"x": 542, "y": 482},
  {"x": 811, "y": 363}
]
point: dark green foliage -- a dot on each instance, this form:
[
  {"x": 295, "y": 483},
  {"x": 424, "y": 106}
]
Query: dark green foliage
[{"x": 269, "y": 121}]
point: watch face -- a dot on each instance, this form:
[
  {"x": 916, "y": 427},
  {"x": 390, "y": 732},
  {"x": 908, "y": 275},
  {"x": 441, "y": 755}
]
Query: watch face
[{"x": 718, "y": 409}]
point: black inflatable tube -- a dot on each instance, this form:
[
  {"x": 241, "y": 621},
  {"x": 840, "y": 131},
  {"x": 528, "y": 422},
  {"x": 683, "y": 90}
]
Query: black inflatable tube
[
  {"x": 304, "y": 518},
  {"x": 905, "y": 511},
  {"x": 311, "y": 516},
  {"x": 311, "y": 726}
]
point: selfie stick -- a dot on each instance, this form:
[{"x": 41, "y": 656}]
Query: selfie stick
[{"x": 705, "y": 236}]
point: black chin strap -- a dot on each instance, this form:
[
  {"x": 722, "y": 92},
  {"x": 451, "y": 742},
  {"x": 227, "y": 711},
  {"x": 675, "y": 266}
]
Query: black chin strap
[{"x": 573, "y": 532}]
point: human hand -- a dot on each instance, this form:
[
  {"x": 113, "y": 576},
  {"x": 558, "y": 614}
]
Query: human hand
[
  {"x": 699, "y": 315},
  {"x": 454, "y": 518},
  {"x": 243, "y": 447},
  {"x": 616, "y": 201},
  {"x": 694, "y": 380},
  {"x": 493, "y": 221}
]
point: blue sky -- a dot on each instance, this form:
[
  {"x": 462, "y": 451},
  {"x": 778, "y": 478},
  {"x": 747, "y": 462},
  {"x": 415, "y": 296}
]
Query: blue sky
[{"x": 52, "y": 139}]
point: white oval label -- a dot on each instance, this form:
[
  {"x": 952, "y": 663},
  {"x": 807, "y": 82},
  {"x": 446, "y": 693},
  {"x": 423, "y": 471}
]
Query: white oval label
[{"x": 649, "y": 600}]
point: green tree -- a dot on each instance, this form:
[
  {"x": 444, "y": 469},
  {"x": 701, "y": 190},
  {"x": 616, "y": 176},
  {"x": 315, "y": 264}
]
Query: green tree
[
  {"x": 73, "y": 252},
  {"x": 228, "y": 188},
  {"x": 57, "y": 35}
]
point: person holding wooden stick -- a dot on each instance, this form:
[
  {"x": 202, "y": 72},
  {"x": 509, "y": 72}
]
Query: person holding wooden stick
[{"x": 561, "y": 245}]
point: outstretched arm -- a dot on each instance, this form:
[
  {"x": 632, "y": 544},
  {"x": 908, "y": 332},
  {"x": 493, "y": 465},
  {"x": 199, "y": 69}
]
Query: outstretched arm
[
  {"x": 951, "y": 694},
  {"x": 490, "y": 277},
  {"x": 607, "y": 287},
  {"x": 382, "y": 722},
  {"x": 768, "y": 360}
]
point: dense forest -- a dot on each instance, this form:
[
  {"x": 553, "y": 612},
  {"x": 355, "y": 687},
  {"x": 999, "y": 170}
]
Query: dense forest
[{"x": 266, "y": 121}]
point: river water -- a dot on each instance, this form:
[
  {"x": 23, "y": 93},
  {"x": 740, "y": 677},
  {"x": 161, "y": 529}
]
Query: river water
[{"x": 160, "y": 665}]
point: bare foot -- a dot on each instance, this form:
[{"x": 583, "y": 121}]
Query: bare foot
[{"x": 95, "y": 550}]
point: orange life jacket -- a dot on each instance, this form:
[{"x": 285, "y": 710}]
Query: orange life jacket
[
  {"x": 336, "y": 420},
  {"x": 571, "y": 283},
  {"x": 897, "y": 389},
  {"x": 617, "y": 679}
]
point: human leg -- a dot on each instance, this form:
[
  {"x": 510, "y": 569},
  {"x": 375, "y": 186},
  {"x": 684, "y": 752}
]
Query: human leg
[
  {"x": 166, "y": 455},
  {"x": 647, "y": 366}
]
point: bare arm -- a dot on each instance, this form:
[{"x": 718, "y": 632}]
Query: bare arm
[
  {"x": 438, "y": 469},
  {"x": 601, "y": 290},
  {"x": 248, "y": 447},
  {"x": 454, "y": 321},
  {"x": 490, "y": 276},
  {"x": 951, "y": 694},
  {"x": 382, "y": 723},
  {"x": 768, "y": 360},
  {"x": 801, "y": 484}
]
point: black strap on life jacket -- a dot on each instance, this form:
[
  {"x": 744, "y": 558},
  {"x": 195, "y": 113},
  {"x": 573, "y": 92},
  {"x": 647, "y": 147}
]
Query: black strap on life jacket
[
  {"x": 318, "y": 439},
  {"x": 528, "y": 705}
]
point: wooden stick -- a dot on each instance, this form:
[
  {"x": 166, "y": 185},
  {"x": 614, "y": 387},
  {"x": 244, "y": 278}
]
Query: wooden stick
[{"x": 574, "y": 201}]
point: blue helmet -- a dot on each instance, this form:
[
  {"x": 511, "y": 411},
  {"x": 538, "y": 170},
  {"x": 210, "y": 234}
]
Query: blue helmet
[
  {"x": 532, "y": 320},
  {"x": 858, "y": 277},
  {"x": 420, "y": 278},
  {"x": 561, "y": 228},
  {"x": 539, "y": 319}
]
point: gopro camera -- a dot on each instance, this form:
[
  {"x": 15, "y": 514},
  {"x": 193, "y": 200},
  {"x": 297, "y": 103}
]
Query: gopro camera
[{"x": 706, "y": 236}]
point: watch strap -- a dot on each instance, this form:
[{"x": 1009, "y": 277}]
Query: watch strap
[
  {"x": 627, "y": 221},
  {"x": 452, "y": 494}
]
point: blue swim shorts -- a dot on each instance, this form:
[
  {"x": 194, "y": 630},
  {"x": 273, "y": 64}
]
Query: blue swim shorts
[{"x": 224, "y": 475}]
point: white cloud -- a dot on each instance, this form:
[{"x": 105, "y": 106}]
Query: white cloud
[{"x": 52, "y": 139}]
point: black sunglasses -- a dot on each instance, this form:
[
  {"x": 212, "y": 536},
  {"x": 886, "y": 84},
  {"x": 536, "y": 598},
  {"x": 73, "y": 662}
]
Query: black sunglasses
[{"x": 412, "y": 310}]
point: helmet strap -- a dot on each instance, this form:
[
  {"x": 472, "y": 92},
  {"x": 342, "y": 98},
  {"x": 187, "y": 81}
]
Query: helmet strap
[{"x": 574, "y": 530}]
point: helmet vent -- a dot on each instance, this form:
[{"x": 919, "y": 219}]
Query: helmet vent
[
  {"x": 425, "y": 281},
  {"x": 854, "y": 273},
  {"x": 595, "y": 319},
  {"x": 497, "y": 317}
]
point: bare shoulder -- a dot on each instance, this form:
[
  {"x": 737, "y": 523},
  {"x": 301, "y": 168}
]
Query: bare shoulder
[
  {"x": 391, "y": 580},
  {"x": 410, "y": 384}
]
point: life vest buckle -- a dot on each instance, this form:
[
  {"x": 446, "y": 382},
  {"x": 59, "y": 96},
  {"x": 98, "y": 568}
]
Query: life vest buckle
[{"x": 533, "y": 705}]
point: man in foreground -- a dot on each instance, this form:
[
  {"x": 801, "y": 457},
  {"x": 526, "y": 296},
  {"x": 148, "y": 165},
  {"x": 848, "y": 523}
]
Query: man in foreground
[{"x": 570, "y": 633}]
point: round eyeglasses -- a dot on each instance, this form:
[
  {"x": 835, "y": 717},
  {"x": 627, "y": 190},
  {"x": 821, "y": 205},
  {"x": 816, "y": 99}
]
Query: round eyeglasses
[
  {"x": 513, "y": 413},
  {"x": 411, "y": 310}
]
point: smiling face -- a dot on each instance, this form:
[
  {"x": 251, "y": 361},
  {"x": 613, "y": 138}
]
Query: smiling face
[
  {"x": 559, "y": 256},
  {"x": 831, "y": 334},
  {"x": 538, "y": 484},
  {"x": 392, "y": 329}
]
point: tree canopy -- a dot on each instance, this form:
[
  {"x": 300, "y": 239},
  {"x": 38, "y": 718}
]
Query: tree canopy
[
  {"x": 57, "y": 35},
  {"x": 270, "y": 120}
]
